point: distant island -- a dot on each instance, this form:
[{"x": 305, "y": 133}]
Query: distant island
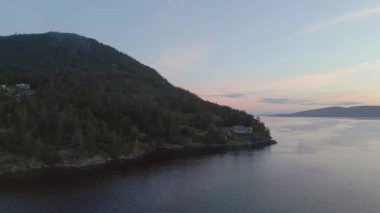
[
  {"x": 67, "y": 100},
  {"x": 352, "y": 112}
]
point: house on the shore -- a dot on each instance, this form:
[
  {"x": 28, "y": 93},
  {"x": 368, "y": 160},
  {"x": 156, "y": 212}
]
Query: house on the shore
[{"x": 241, "y": 130}]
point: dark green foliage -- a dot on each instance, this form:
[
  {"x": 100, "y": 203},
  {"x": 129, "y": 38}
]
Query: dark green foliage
[
  {"x": 93, "y": 100},
  {"x": 216, "y": 134}
]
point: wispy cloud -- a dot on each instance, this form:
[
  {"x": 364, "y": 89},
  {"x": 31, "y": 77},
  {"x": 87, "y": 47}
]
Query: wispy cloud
[
  {"x": 346, "y": 103},
  {"x": 293, "y": 92},
  {"x": 230, "y": 95},
  {"x": 339, "y": 20},
  {"x": 321, "y": 78},
  {"x": 178, "y": 58},
  {"x": 244, "y": 85},
  {"x": 288, "y": 101},
  {"x": 305, "y": 102}
]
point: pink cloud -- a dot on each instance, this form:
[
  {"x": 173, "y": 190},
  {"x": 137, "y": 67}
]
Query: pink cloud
[
  {"x": 245, "y": 86},
  {"x": 304, "y": 87}
]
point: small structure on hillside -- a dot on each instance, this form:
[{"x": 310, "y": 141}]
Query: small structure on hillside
[
  {"x": 23, "y": 86},
  {"x": 19, "y": 90},
  {"x": 243, "y": 130}
]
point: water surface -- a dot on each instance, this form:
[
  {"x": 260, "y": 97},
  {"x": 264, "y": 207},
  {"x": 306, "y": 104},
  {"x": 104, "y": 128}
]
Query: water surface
[{"x": 319, "y": 165}]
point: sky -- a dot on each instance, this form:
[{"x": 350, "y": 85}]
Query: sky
[{"x": 261, "y": 56}]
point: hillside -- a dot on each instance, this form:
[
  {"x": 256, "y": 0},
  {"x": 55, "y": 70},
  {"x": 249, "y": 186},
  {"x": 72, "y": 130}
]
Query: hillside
[
  {"x": 357, "y": 111},
  {"x": 91, "y": 101}
]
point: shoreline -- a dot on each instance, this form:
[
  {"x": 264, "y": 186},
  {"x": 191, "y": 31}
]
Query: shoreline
[{"x": 168, "y": 151}]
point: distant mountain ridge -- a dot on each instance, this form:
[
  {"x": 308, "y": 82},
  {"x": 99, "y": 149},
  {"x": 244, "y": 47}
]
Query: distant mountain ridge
[{"x": 356, "y": 111}]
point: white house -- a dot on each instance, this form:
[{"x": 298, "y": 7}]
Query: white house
[
  {"x": 23, "y": 86},
  {"x": 238, "y": 129}
]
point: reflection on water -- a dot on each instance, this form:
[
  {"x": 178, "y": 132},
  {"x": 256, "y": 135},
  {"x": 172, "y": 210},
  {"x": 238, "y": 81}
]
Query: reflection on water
[{"x": 319, "y": 165}]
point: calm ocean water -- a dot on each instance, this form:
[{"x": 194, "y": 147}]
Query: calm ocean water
[{"x": 319, "y": 165}]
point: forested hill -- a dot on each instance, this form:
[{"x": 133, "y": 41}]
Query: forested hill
[{"x": 91, "y": 100}]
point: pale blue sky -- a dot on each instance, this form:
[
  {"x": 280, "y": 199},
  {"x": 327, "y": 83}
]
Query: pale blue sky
[{"x": 259, "y": 56}]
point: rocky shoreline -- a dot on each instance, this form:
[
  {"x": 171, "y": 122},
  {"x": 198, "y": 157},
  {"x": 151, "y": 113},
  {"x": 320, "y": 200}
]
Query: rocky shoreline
[{"x": 166, "y": 151}]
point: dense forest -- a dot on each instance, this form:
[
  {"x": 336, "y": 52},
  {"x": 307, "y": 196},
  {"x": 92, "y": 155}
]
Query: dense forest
[{"x": 92, "y": 100}]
